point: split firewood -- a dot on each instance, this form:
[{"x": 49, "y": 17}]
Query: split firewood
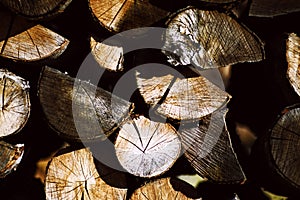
[
  {"x": 272, "y": 8},
  {"x": 22, "y": 40},
  {"x": 14, "y": 103},
  {"x": 160, "y": 189},
  {"x": 74, "y": 176},
  {"x": 121, "y": 15},
  {"x": 209, "y": 39},
  {"x": 10, "y": 157},
  {"x": 182, "y": 99},
  {"x": 293, "y": 58},
  {"x": 146, "y": 148},
  {"x": 208, "y": 148},
  {"x": 78, "y": 110},
  {"x": 107, "y": 56},
  {"x": 38, "y": 9}
]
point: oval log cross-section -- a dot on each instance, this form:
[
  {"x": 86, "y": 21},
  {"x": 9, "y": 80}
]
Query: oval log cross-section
[
  {"x": 78, "y": 110},
  {"x": 74, "y": 176},
  {"x": 208, "y": 148},
  {"x": 10, "y": 157},
  {"x": 121, "y": 15},
  {"x": 209, "y": 39},
  {"x": 14, "y": 103},
  {"x": 37, "y": 9},
  {"x": 146, "y": 148},
  {"x": 182, "y": 99},
  {"x": 293, "y": 59},
  {"x": 21, "y": 40}
]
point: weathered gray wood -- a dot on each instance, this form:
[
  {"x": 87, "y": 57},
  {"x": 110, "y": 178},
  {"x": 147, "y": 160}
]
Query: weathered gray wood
[
  {"x": 146, "y": 148},
  {"x": 22, "y": 40},
  {"x": 78, "y": 110},
  {"x": 74, "y": 176},
  {"x": 10, "y": 157},
  {"x": 37, "y": 9},
  {"x": 209, "y": 39},
  {"x": 293, "y": 59},
  {"x": 186, "y": 99},
  {"x": 121, "y": 15},
  {"x": 14, "y": 103},
  {"x": 208, "y": 148}
]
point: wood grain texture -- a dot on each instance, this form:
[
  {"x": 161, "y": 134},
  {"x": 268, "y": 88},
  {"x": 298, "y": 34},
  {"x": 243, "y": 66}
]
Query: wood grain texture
[
  {"x": 293, "y": 59},
  {"x": 21, "y": 40},
  {"x": 78, "y": 110},
  {"x": 10, "y": 157},
  {"x": 160, "y": 189},
  {"x": 14, "y": 103},
  {"x": 121, "y": 15},
  {"x": 209, "y": 39},
  {"x": 37, "y": 9},
  {"x": 146, "y": 148},
  {"x": 74, "y": 176},
  {"x": 209, "y": 150},
  {"x": 185, "y": 99},
  {"x": 107, "y": 56},
  {"x": 271, "y": 8}
]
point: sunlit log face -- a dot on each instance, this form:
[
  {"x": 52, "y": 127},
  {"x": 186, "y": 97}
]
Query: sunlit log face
[
  {"x": 293, "y": 59},
  {"x": 209, "y": 39},
  {"x": 78, "y": 110},
  {"x": 14, "y": 103},
  {"x": 121, "y": 15},
  {"x": 146, "y": 148},
  {"x": 74, "y": 176}
]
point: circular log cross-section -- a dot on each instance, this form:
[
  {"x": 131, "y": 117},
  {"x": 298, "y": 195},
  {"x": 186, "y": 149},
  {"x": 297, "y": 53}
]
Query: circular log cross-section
[
  {"x": 146, "y": 148},
  {"x": 14, "y": 103},
  {"x": 74, "y": 176}
]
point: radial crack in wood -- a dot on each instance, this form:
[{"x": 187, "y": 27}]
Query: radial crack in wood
[
  {"x": 10, "y": 157},
  {"x": 14, "y": 103},
  {"x": 209, "y": 150},
  {"x": 107, "y": 56},
  {"x": 146, "y": 148},
  {"x": 74, "y": 176},
  {"x": 78, "y": 110},
  {"x": 121, "y": 15},
  {"x": 182, "y": 99},
  {"x": 209, "y": 39},
  {"x": 22, "y": 40},
  {"x": 160, "y": 189},
  {"x": 37, "y": 9},
  {"x": 293, "y": 59}
]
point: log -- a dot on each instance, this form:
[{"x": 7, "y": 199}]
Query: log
[
  {"x": 146, "y": 148},
  {"x": 121, "y": 15},
  {"x": 77, "y": 110},
  {"x": 208, "y": 148},
  {"x": 38, "y": 9},
  {"x": 186, "y": 99},
  {"x": 22, "y": 40},
  {"x": 10, "y": 157},
  {"x": 73, "y": 175},
  {"x": 14, "y": 103},
  {"x": 293, "y": 59},
  {"x": 209, "y": 39},
  {"x": 107, "y": 56}
]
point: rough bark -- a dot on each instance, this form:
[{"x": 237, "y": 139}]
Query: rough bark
[
  {"x": 74, "y": 176},
  {"x": 78, "y": 110},
  {"x": 14, "y": 103},
  {"x": 209, "y": 39},
  {"x": 146, "y": 148}
]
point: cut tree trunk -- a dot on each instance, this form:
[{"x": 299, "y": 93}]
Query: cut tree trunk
[
  {"x": 146, "y": 148},
  {"x": 78, "y": 110},
  {"x": 14, "y": 103},
  {"x": 209, "y": 39}
]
